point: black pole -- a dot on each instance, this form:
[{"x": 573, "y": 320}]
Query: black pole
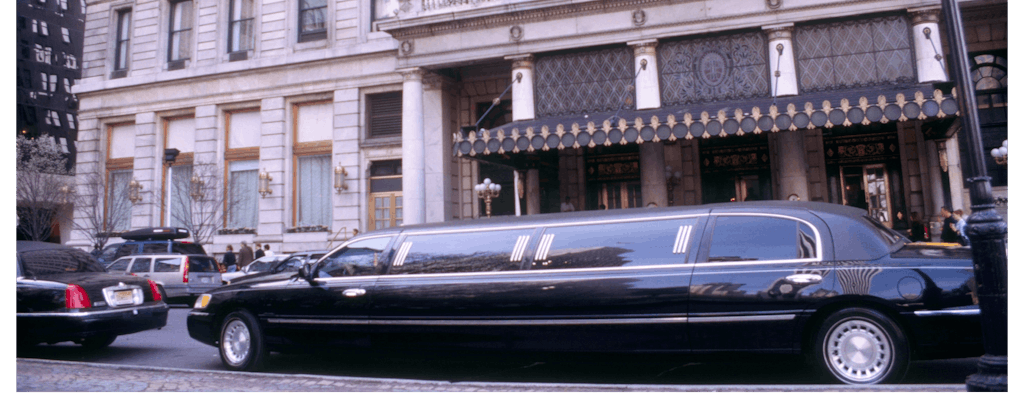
[{"x": 985, "y": 227}]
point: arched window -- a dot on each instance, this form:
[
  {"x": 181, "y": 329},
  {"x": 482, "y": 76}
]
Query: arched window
[{"x": 988, "y": 71}]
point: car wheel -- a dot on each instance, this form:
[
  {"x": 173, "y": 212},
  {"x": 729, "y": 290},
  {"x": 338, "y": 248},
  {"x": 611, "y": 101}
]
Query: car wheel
[
  {"x": 98, "y": 342},
  {"x": 861, "y": 346},
  {"x": 241, "y": 342}
]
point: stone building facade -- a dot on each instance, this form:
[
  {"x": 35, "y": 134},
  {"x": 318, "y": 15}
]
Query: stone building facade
[{"x": 601, "y": 103}]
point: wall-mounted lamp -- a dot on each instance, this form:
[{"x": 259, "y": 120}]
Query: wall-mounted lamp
[
  {"x": 196, "y": 188},
  {"x": 1000, "y": 154},
  {"x": 339, "y": 178},
  {"x": 265, "y": 184},
  {"x": 67, "y": 191},
  {"x": 672, "y": 178},
  {"x": 134, "y": 191}
]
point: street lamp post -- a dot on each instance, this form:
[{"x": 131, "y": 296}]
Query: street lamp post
[
  {"x": 985, "y": 227},
  {"x": 488, "y": 191}
]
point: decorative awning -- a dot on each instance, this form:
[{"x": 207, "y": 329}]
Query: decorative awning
[{"x": 739, "y": 117}]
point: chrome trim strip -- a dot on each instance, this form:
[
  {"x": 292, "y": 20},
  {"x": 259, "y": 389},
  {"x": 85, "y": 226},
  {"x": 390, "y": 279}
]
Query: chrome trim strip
[
  {"x": 682, "y": 239},
  {"x": 545, "y": 245},
  {"x": 478, "y": 322},
  {"x": 517, "y": 252},
  {"x": 90, "y": 313},
  {"x": 199, "y": 313},
  {"x": 938, "y": 313},
  {"x": 402, "y": 252},
  {"x": 745, "y": 318},
  {"x": 555, "y": 225}
]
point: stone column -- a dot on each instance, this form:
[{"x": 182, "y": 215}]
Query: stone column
[
  {"x": 533, "y": 192},
  {"x": 645, "y": 60},
  {"x": 792, "y": 166},
  {"x": 345, "y": 140},
  {"x": 522, "y": 87},
  {"x": 437, "y": 145},
  {"x": 146, "y": 213},
  {"x": 783, "y": 65},
  {"x": 652, "y": 174},
  {"x": 935, "y": 171},
  {"x": 927, "y": 44},
  {"x": 271, "y": 219},
  {"x": 413, "y": 190},
  {"x": 956, "y": 175}
]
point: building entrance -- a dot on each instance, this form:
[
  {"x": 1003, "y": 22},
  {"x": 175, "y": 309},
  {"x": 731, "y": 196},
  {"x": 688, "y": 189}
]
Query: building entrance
[
  {"x": 867, "y": 187},
  {"x": 616, "y": 195}
]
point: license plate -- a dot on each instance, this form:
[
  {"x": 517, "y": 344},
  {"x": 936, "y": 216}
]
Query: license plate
[
  {"x": 204, "y": 280},
  {"x": 123, "y": 297}
]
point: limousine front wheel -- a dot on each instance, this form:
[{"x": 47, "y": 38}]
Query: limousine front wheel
[
  {"x": 241, "y": 342},
  {"x": 861, "y": 346}
]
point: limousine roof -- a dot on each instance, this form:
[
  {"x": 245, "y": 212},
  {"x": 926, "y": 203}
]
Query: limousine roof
[{"x": 853, "y": 227}]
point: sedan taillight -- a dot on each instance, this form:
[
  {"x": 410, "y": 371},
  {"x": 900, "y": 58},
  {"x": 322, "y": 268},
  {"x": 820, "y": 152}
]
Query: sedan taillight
[
  {"x": 75, "y": 297},
  {"x": 156, "y": 291},
  {"x": 184, "y": 275}
]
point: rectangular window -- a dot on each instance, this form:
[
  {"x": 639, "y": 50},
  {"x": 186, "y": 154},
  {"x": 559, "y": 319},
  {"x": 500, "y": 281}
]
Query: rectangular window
[
  {"x": 124, "y": 21},
  {"x": 240, "y": 30},
  {"x": 625, "y": 244},
  {"x": 44, "y": 30},
  {"x": 43, "y": 54},
  {"x": 384, "y": 114},
  {"x": 65, "y": 34},
  {"x": 312, "y": 20},
  {"x": 243, "y": 201},
  {"x": 119, "y": 209},
  {"x": 313, "y": 178},
  {"x": 743, "y": 238},
  {"x": 180, "y": 36},
  {"x": 461, "y": 252},
  {"x": 46, "y": 81},
  {"x": 385, "y": 194},
  {"x": 71, "y": 121},
  {"x": 53, "y": 83},
  {"x": 179, "y": 178},
  {"x": 64, "y": 5},
  {"x": 314, "y": 190}
]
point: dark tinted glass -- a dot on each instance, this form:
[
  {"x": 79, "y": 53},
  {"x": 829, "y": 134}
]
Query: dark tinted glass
[
  {"x": 118, "y": 266},
  {"x": 626, "y": 244},
  {"x": 167, "y": 265},
  {"x": 201, "y": 264},
  {"x": 125, "y": 250},
  {"x": 187, "y": 248},
  {"x": 109, "y": 252},
  {"x": 358, "y": 258},
  {"x": 807, "y": 245},
  {"x": 57, "y": 261},
  {"x": 262, "y": 266},
  {"x": 461, "y": 252},
  {"x": 890, "y": 236},
  {"x": 154, "y": 248},
  {"x": 291, "y": 264},
  {"x": 744, "y": 238},
  {"x": 141, "y": 266}
]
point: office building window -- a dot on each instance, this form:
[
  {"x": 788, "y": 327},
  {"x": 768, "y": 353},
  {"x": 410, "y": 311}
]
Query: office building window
[
  {"x": 180, "y": 38},
  {"x": 124, "y": 21},
  {"x": 240, "y": 31},
  {"x": 313, "y": 177},
  {"x": 384, "y": 114},
  {"x": 312, "y": 20}
]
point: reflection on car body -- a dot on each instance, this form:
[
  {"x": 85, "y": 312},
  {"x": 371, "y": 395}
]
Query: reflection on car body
[{"x": 755, "y": 277}]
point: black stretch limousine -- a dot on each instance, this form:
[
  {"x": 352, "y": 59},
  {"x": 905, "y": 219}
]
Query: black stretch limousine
[{"x": 764, "y": 277}]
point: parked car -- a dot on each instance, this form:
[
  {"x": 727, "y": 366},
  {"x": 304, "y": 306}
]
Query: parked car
[
  {"x": 289, "y": 265},
  {"x": 775, "y": 277},
  {"x": 150, "y": 241},
  {"x": 64, "y": 295},
  {"x": 264, "y": 263},
  {"x": 182, "y": 277}
]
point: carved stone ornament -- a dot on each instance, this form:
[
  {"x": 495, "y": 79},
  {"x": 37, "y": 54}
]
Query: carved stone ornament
[
  {"x": 406, "y": 5},
  {"x": 773, "y": 4},
  {"x": 407, "y": 47},
  {"x": 515, "y": 33},
  {"x": 639, "y": 18}
]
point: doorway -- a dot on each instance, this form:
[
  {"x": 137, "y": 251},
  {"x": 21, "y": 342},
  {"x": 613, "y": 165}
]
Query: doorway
[
  {"x": 619, "y": 195},
  {"x": 867, "y": 187}
]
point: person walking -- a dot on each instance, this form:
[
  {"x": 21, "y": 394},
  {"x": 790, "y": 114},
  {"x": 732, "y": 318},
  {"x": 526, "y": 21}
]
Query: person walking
[
  {"x": 259, "y": 251},
  {"x": 244, "y": 255},
  {"x": 961, "y": 227},
  {"x": 268, "y": 251},
  {"x": 916, "y": 227},
  {"x": 229, "y": 261},
  {"x": 948, "y": 226}
]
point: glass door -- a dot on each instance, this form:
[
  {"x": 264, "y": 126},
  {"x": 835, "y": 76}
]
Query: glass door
[
  {"x": 387, "y": 210},
  {"x": 618, "y": 195},
  {"x": 867, "y": 187}
]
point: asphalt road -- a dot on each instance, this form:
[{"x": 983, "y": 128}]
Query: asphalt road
[{"x": 172, "y": 347}]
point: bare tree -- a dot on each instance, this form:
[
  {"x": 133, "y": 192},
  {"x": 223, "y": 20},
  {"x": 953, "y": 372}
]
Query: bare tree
[
  {"x": 97, "y": 215},
  {"x": 43, "y": 186},
  {"x": 198, "y": 201}
]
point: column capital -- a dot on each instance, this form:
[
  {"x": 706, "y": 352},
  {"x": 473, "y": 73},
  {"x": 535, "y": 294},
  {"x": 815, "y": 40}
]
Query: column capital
[
  {"x": 521, "y": 61},
  {"x": 412, "y": 74},
  {"x": 924, "y": 15},
  {"x": 647, "y": 47},
  {"x": 779, "y": 31},
  {"x": 432, "y": 81}
]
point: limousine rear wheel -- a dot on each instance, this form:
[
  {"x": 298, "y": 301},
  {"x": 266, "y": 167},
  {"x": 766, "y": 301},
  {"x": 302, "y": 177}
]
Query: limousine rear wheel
[
  {"x": 241, "y": 342},
  {"x": 861, "y": 346}
]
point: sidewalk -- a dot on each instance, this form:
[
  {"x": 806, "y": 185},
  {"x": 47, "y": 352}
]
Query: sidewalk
[{"x": 64, "y": 376}]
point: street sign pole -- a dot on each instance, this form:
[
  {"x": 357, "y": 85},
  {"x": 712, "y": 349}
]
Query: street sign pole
[{"x": 985, "y": 227}]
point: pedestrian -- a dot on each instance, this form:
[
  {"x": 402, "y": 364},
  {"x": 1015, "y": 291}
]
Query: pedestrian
[
  {"x": 900, "y": 224},
  {"x": 917, "y": 231},
  {"x": 259, "y": 251},
  {"x": 948, "y": 234},
  {"x": 567, "y": 206},
  {"x": 244, "y": 255},
  {"x": 961, "y": 227},
  {"x": 229, "y": 261},
  {"x": 96, "y": 250},
  {"x": 268, "y": 251}
]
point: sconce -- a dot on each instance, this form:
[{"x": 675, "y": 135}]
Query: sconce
[
  {"x": 134, "y": 191},
  {"x": 265, "y": 184},
  {"x": 196, "y": 188},
  {"x": 672, "y": 178},
  {"x": 339, "y": 178},
  {"x": 1000, "y": 154},
  {"x": 67, "y": 191}
]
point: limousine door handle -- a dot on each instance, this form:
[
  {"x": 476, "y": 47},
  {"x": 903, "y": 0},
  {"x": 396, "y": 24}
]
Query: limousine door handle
[
  {"x": 804, "y": 278},
  {"x": 354, "y": 292}
]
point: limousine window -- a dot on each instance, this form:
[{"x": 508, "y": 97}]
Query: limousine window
[
  {"x": 623, "y": 244},
  {"x": 361, "y": 257},
  {"x": 749, "y": 238},
  {"x": 461, "y": 252}
]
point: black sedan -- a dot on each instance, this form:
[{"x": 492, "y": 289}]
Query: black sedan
[
  {"x": 65, "y": 295},
  {"x": 822, "y": 280}
]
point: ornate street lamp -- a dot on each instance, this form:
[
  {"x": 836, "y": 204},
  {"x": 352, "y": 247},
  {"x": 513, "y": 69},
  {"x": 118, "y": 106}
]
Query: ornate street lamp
[
  {"x": 672, "y": 178},
  {"x": 264, "y": 186},
  {"x": 999, "y": 154},
  {"x": 339, "y": 178},
  {"x": 134, "y": 191},
  {"x": 487, "y": 191}
]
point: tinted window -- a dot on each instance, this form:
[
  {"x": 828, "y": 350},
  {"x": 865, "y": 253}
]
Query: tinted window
[
  {"x": 358, "y": 258},
  {"x": 291, "y": 263},
  {"x": 261, "y": 266},
  {"x": 56, "y": 261},
  {"x": 890, "y": 236},
  {"x": 202, "y": 264},
  {"x": 167, "y": 265},
  {"x": 119, "y": 265},
  {"x": 124, "y": 250},
  {"x": 461, "y": 252},
  {"x": 187, "y": 248},
  {"x": 108, "y": 253},
  {"x": 615, "y": 244},
  {"x": 743, "y": 238},
  {"x": 154, "y": 248},
  {"x": 140, "y": 265}
]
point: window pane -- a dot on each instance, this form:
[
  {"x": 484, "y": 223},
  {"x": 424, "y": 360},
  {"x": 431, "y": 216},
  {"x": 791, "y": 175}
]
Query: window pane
[
  {"x": 118, "y": 266},
  {"x": 616, "y": 245},
  {"x": 118, "y": 207},
  {"x": 201, "y": 264},
  {"x": 167, "y": 265},
  {"x": 178, "y": 195},
  {"x": 151, "y": 248},
  {"x": 141, "y": 265},
  {"x": 243, "y": 203},
  {"x": 753, "y": 238},
  {"x": 462, "y": 252},
  {"x": 314, "y": 190},
  {"x": 358, "y": 258}
]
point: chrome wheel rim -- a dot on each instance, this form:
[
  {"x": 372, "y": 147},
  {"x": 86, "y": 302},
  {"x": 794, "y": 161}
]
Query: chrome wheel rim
[
  {"x": 236, "y": 342},
  {"x": 858, "y": 351}
]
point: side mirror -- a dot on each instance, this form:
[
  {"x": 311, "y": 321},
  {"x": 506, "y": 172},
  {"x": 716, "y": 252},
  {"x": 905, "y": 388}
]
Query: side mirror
[{"x": 307, "y": 272}]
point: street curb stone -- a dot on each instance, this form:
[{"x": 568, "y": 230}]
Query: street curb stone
[{"x": 66, "y": 376}]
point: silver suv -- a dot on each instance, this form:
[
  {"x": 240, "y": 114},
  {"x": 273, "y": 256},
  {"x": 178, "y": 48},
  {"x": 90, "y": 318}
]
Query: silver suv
[{"x": 183, "y": 277}]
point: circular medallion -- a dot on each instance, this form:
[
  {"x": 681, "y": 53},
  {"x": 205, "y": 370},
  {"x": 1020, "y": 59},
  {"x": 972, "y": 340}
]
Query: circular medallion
[
  {"x": 552, "y": 141},
  {"x": 568, "y": 139},
  {"x": 713, "y": 68},
  {"x": 479, "y": 146},
  {"x": 714, "y": 128},
  {"x": 523, "y": 143},
  {"x": 800, "y": 120},
  {"x": 538, "y": 142},
  {"x": 583, "y": 138},
  {"x": 515, "y": 33},
  {"x": 630, "y": 134},
  {"x": 508, "y": 144},
  {"x": 731, "y": 126},
  {"x": 647, "y": 133}
]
